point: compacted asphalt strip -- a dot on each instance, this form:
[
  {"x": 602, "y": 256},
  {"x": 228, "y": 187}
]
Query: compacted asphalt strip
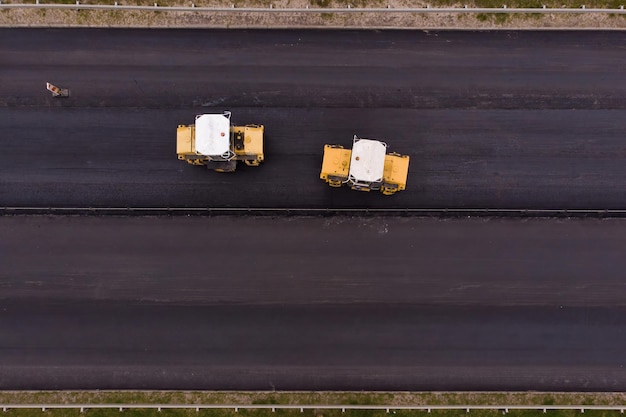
[
  {"x": 312, "y": 303},
  {"x": 490, "y": 119}
]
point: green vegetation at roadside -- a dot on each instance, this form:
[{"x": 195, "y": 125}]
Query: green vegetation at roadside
[
  {"x": 318, "y": 398},
  {"x": 310, "y": 397}
]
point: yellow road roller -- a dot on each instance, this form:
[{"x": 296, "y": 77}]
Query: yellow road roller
[
  {"x": 213, "y": 141},
  {"x": 365, "y": 167}
]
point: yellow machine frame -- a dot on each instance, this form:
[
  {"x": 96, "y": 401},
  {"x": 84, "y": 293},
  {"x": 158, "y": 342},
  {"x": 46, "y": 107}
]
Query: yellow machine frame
[
  {"x": 336, "y": 166},
  {"x": 246, "y": 144}
]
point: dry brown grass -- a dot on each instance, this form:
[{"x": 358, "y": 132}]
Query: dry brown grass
[
  {"x": 105, "y": 18},
  {"x": 314, "y": 397}
]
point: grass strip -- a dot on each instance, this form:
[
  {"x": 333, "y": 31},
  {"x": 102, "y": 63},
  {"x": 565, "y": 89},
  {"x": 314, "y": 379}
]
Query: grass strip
[{"x": 298, "y": 397}]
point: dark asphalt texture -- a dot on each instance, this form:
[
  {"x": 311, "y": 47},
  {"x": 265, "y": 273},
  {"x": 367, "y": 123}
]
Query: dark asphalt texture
[
  {"x": 381, "y": 347},
  {"x": 312, "y": 303},
  {"x": 490, "y": 119}
]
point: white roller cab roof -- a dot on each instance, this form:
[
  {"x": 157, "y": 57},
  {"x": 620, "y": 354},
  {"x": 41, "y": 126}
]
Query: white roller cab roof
[
  {"x": 368, "y": 160},
  {"x": 213, "y": 134}
]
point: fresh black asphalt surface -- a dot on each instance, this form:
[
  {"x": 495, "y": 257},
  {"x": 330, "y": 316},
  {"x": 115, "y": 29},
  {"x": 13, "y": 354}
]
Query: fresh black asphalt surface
[
  {"x": 285, "y": 347},
  {"x": 490, "y": 119},
  {"x": 312, "y": 303}
]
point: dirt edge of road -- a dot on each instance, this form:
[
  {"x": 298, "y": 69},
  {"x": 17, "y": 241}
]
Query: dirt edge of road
[
  {"x": 312, "y": 397},
  {"x": 243, "y": 20}
]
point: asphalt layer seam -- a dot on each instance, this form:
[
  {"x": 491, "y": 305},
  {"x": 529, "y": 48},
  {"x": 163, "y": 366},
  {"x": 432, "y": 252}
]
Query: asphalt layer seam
[{"x": 413, "y": 212}]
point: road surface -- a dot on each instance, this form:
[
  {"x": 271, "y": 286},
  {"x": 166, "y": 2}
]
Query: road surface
[
  {"x": 312, "y": 303},
  {"x": 490, "y": 119}
]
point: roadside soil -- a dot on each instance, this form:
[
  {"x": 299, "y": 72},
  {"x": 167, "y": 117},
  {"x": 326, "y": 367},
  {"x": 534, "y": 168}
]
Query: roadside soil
[{"x": 161, "y": 19}]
